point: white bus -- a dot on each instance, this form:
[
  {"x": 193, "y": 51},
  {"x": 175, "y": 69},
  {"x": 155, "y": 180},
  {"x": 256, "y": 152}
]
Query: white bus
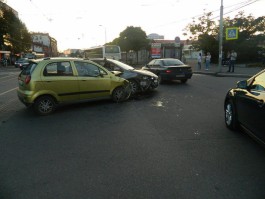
[
  {"x": 34, "y": 55},
  {"x": 108, "y": 51}
]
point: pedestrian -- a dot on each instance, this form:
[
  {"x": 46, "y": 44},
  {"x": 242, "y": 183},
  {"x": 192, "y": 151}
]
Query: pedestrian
[
  {"x": 183, "y": 59},
  {"x": 233, "y": 58},
  {"x": 199, "y": 58},
  {"x": 207, "y": 61}
]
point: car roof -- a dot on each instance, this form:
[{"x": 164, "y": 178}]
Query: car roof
[{"x": 59, "y": 59}]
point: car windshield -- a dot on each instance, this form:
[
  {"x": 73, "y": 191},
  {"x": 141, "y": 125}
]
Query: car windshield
[
  {"x": 122, "y": 65},
  {"x": 172, "y": 62}
]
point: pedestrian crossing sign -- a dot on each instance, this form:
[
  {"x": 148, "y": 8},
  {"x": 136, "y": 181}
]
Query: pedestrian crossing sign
[{"x": 231, "y": 33}]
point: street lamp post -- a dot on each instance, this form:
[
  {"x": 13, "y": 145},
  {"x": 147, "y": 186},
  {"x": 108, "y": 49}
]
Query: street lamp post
[
  {"x": 105, "y": 33},
  {"x": 220, "y": 37}
]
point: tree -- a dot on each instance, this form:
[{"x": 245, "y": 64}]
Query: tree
[
  {"x": 205, "y": 33},
  {"x": 14, "y": 35},
  {"x": 132, "y": 39}
]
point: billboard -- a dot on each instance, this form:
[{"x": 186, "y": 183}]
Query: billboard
[{"x": 156, "y": 50}]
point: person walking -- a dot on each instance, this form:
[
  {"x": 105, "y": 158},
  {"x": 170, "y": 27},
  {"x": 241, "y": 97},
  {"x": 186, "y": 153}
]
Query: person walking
[
  {"x": 199, "y": 58},
  {"x": 207, "y": 61},
  {"x": 233, "y": 58}
]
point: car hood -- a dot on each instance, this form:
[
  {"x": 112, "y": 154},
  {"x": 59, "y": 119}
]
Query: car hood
[{"x": 144, "y": 72}]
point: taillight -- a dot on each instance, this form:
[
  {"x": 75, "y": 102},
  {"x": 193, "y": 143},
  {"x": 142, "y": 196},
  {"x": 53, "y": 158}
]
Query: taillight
[
  {"x": 168, "y": 71},
  {"x": 28, "y": 78}
]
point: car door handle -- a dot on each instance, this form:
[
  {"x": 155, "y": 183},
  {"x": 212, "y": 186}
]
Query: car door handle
[{"x": 260, "y": 103}]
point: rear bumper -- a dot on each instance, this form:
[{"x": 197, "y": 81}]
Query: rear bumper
[
  {"x": 179, "y": 76},
  {"x": 25, "y": 97}
]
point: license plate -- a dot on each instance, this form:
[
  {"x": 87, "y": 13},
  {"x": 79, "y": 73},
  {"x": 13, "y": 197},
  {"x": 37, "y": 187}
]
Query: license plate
[
  {"x": 143, "y": 83},
  {"x": 180, "y": 75}
]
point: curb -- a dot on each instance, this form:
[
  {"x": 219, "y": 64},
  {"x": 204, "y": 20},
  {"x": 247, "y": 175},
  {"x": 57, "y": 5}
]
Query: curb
[{"x": 217, "y": 74}]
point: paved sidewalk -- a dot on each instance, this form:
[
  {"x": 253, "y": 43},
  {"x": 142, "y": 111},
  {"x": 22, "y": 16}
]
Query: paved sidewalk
[{"x": 240, "y": 70}]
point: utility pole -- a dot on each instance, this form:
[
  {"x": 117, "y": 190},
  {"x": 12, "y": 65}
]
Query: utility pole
[
  {"x": 220, "y": 37},
  {"x": 105, "y": 31}
]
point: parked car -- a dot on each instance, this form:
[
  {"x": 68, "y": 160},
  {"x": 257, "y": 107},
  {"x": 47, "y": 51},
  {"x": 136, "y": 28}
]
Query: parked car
[
  {"x": 169, "y": 69},
  {"x": 51, "y": 81},
  {"x": 22, "y": 63},
  {"x": 140, "y": 80},
  {"x": 244, "y": 106}
]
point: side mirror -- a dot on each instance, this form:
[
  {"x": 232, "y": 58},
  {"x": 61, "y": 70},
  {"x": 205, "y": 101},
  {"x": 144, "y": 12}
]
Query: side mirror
[
  {"x": 116, "y": 73},
  {"x": 242, "y": 84}
]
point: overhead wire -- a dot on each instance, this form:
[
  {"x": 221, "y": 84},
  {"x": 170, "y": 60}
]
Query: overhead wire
[{"x": 237, "y": 5}]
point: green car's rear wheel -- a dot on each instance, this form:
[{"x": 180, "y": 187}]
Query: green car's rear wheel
[{"x": 44, "y": 105}]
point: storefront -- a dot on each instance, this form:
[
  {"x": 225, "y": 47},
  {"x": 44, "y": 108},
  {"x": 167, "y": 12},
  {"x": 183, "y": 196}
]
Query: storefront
[
  {"x": 166, "y": 49},
  {"x": 4, "y": 55}
]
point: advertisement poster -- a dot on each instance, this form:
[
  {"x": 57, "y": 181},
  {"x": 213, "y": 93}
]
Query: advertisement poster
[{"x": 156, "y": 50}]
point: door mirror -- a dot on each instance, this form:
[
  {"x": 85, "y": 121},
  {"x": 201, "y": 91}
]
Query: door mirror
[
  {"x": 242, "y": 84},
  {"x": 117, "y": 73}
]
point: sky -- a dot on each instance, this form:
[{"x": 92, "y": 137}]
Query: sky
[{"x": 85, "y": 23}]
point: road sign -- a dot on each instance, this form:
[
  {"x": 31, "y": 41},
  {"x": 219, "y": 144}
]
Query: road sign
[{"x": 231, "y": 33}]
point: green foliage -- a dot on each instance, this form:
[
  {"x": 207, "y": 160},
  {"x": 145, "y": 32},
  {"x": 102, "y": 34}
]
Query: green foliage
[
  {"x": 13, "y": 32},
  {"x": 205, "y": 32},
  {"x": 132, "y": 38}
]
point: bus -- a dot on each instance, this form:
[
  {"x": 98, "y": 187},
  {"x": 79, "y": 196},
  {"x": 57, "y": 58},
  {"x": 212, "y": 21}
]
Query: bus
[
  {"x": 108, "y": 51},
  {"x": 34, "y": 55}
]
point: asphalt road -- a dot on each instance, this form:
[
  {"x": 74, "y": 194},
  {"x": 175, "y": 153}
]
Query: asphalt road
[{"x": 171, "y": 143}]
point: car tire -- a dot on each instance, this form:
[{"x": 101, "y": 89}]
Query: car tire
[
  {"x": 121, "y": 93},
  {"x": 184, "y": 81},
  {"x": 44, "y": 105},
  {"x": 230, "y": 115},
  {"x": 134, "y": 86}
]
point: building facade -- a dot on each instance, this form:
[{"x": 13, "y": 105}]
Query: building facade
[{"x": 44, "y": 43}]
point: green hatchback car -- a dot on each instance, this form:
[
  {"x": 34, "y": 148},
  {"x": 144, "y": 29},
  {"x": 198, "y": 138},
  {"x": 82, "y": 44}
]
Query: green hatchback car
[{"x": 45, "y": 83}]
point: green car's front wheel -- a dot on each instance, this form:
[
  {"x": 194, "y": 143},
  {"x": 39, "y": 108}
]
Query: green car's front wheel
[{"x": 121, "y": 93}]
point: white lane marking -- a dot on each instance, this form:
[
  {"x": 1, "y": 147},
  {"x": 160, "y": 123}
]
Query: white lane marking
[
  {"x": 8, "y": 91},
  {"x": 8, "y": 79},
  {"x": 7, "y": 76}
]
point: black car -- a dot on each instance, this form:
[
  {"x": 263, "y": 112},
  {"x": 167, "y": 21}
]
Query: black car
[
  {"x": 169, "y": 69},
  {"x": 244, "y": 106},
  {"x": 140, "y": 80},
  {"x": 22, "y": 63}
]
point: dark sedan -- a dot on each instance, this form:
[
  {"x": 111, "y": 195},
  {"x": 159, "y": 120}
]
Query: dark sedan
[
  {"x": 140, "y": 80},
  {"x": 169, "y": 69},
  {"x": 245, "y": 106},
  {"x": 22, "y": 63}
]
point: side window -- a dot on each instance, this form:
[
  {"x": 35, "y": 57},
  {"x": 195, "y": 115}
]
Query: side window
[
  {"x": 113, "y": 67},
  {"x": 88, "y": 69},
  {"x": 58, "y": 69},
  {"x": 108, "y": 66},
  {"x": 157, "y": 63},
  {"x": 151, "y": 63}
]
